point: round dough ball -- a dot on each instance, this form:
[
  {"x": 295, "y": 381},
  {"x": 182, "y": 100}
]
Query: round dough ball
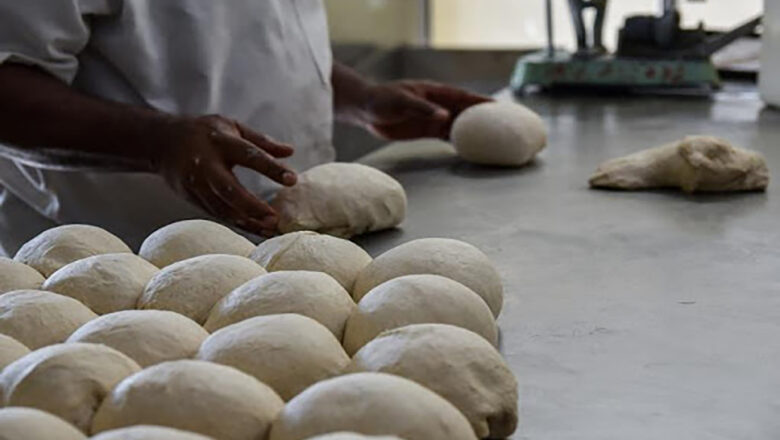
[
  {"x": 449, "y": 258},
  {"x": 418, "y": 299},
  {"x": 37, "y": 319},
  {"x": 18, "y": 276},
  {"x": 341, "y": 199},
  {"x": 313, "y": 294},
  {"x": 352, "y": 436},
  {"x": 147, "y": 336},
  {"x": 105, "y": 283},
  {"x": 67, "y": 380},
  {"x": 373, "y": 404},
  {"x": 192, "y": 238},
  {"x": 196, "y": 396},
  {"x": 10, "y": 350},
  {"x": 499, "y": 133},
  {"x": 18, "y": 423},
  {"x": 307, "y": 250},
  {"x": 192, "y": 287},
  {"x": 302, "y": 351},
  {"x": 56, "y": 247},
  {"x": 149, "y": 432},
  {"x": 477, "y": 380}
]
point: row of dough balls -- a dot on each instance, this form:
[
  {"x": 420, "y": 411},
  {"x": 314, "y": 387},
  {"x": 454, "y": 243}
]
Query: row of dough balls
[{"x": 125, "y": 329}]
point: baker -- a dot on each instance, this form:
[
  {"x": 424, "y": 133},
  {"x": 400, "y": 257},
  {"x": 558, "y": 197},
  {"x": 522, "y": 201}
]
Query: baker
[{"x": 130, "y": 114}]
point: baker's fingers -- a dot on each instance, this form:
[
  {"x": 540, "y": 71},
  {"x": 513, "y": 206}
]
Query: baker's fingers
[
  {"x": 242, "y": 152},
  {"x": 255, "y": 213},
  {"x": 271, "y": 146},
  {"x": 452, "y": 98},
  {"x": 421, "y": 108}
]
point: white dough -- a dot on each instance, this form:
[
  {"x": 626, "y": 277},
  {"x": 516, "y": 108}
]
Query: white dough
[
  {"x": 313, "y": 294},
  {"x": 147, "y": 336},
  {"x": 341, "y": 199},
  {"x": 191, "y": 287},
  {"x": 148, "y": 432},
  {"x": 499, "y": 133},
  {"x": 418, "y": 299},
  {"x": 693, "y": 164},
  {"x": 286, "y": 352},
  {"x": 36, "y": 318},
  {"x": 307, "y": 250},
  {"x": 18, "y": 423},
  {"x": 18, "y": 276},
  {"x": 10, "y": 350},
  {"x": 56, "y": 247},
  {"x": 105, "y": 283},
  {"x": 373, "y": 404},
  {"x": 67, "y": 380},
  {"x": 196, "y": 396},
  {"x": 191, "y": 238},
  {"x": 352, "y": 436},
  {"x": 477, "y": 380},
  {"x": 449, "y": 258}
]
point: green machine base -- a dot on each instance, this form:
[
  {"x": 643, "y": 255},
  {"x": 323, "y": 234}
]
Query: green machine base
[{"x": 563, "y": 70}]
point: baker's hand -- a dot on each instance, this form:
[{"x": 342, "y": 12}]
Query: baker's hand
[
  {"x": 197, "y": 162},
  {"x": 412, "y": 109}
]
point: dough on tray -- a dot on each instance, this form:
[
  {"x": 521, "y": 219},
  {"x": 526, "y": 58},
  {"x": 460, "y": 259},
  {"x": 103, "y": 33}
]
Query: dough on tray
[
  {"x": 18, "y": 276},
  {"x": 10, "y": 350},
  {"x": 149, "y": 432},
  {"x": 19, "y": 423}
]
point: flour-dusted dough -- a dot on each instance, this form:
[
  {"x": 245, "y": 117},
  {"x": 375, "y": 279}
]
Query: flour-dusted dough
[
  {"x": 191, "y": 287},
  {"x": 313, "y": 294},
  {"x": 36, "y": 318},
  {"x": 105, "y": 283},
  {"x": 18, "y": 276},
  {"x": 10, "y": 350},
  {"x": 287, "y": 352},
  {"x": 147, "y": 336},
  {"x": 418, "y": 299},
  {"x": 197, "y": 396},
  {"x": 342, "y": 199},
  {"x": 307, "y": 250},
  {"x": 67, "y": 380},
  {"x": 693, "y": 164},
  {"x": 373, "y": 404},
  {"x": 18, "y": 423},
  {"x": 192, "y": 238},
  {"x": 499, "y": 133},
  {"x": 149, "y": 432},
  {"x": 449, "y": 258},
  {"x": 477, "y": 380},
  {"x": 352, "y": 436},
  {"x": 56, "y": 247}
]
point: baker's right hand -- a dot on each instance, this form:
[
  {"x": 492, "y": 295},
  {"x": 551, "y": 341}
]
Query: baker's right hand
[{"x": 197, "y": 161}]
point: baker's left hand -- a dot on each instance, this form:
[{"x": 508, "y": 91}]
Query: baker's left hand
[{"x": 411, "y": 109}]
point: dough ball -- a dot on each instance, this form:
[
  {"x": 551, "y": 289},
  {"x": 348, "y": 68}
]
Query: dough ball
[
  {"x": 147, "y": 336},
  {"x": 313, "y": 294},
  {"x": 286, "y": 352},
  {"x": 499, "y": 133},
  {"x": 341, "y": 199},
  {"x": 67, "y": 380},
  {"x": 307, "y": 250},
  {"x": 10, "y": 350},
  {"x": 373, "y": 404},
  {"x": 56, "y": 247},
  {"x": 693, "y": 164},
  {"x": 192, "y": 238},
  {"x": 36, "y": 318},
  {"x": 149, "y": 432},
  {"x": 105, "y": 283},
  {"x": 196, "y": 396},
  {"x": 449, "y": 258},
  {"x": 418, "y": 299},
  {"x": 18, "y": 423},
  {"x": 192, "y": 287},
  {"x": 477, "y": 380},
  {"x": 18, "y": 276},
  {"x": 352, "y": 436}
]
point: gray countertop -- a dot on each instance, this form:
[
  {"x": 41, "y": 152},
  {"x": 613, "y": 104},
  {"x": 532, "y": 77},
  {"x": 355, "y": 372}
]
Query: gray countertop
[{"x": 645, "y": 315}]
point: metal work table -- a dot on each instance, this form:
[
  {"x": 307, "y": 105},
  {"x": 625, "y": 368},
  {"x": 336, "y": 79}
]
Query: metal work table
[{"x": 644, "y": 315}]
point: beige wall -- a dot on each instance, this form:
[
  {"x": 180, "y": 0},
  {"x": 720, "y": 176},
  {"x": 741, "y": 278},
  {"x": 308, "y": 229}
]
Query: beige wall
[{"x": 383, "y": 22}]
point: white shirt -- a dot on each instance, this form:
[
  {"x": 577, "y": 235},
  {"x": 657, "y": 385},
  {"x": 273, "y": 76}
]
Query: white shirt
[{"x": 265, "y": 63}]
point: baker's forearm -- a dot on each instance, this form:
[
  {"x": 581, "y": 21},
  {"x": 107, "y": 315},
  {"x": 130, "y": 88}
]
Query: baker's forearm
[
  {"x": 47, "y": 123},
  {"x": 350, "y": 93}
]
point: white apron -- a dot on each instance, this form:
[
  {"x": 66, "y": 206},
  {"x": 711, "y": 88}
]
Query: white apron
[{"x": 265, "y": 63}]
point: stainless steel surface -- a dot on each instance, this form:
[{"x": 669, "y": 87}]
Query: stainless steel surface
[{"x": 643, "y": 315}]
